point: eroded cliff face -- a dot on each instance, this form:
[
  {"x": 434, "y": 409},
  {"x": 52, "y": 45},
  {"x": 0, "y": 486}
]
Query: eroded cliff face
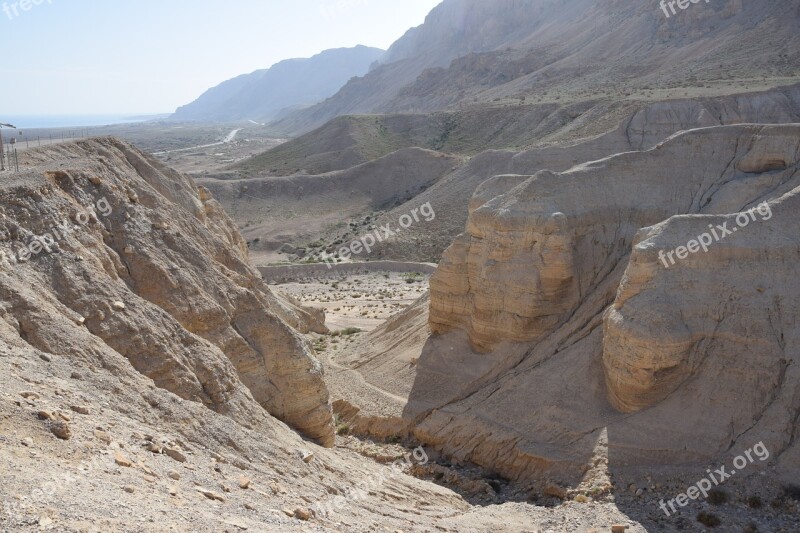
[
  {"x": 105, "y": 248},
  {"x": 532, "y": 255},
  {"x": 676, "y": 362}
]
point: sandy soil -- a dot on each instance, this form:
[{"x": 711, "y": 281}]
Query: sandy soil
[{"x": 363, "y": 301}]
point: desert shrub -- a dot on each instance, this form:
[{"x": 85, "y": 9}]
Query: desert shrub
[
  {"x": 717, "y": 497},
  {"x": 709, "y": 519},
  {"x": 792, "y": 491},
  {"x": 754, "y": 502}
]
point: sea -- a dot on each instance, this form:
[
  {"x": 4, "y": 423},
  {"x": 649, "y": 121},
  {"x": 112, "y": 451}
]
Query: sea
[{"x": 74, "y": 121}]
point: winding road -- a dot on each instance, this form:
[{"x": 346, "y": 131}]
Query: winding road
[{"x": 228, "y": 138}]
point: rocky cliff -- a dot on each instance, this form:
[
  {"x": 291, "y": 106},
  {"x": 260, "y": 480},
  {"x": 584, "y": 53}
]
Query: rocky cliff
[
  {"x": 590, "y": 303},
  {"x": 106, "y": 250}
]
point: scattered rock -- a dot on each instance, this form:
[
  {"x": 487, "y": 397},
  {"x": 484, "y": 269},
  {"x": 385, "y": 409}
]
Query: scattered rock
[
  {"x": 60, "y": 430},
  {"x": 102, "y": 436},
  {"x": 307, "y": 457},
  {"x": 95, "y": 180},
  {"x": 617, "y": 528},
  {"x": 76, "y": 375},
  {"x": 28, "y": 395},
  {"x": 249, "y": 507},
  {"x": 130, "y": 490},
  {"x": 45, "y": 415},
  {"x": 244, "y": 483},
  {"x": 122, "y": 460},
  {"x": 211, "y": 495},
  {"x": 173, "y": 491},
  {"x": 288, "y": 512},
  {"x": 173, "y": 474},
  {"x": 154, "y": 448},
  {"x": 80, "y": 409},
  {"x": 150, "y": 479},
  {"x": 301, "y": 513},
  {"x": 27, "y": 441},
  {"x": 175, "y": 454},
  {"x": 119, "y": 306},
  {"x": 64, "y": 416}
]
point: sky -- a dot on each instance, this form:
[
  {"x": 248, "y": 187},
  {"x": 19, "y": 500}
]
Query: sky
[{"x": 94, "y": 57}]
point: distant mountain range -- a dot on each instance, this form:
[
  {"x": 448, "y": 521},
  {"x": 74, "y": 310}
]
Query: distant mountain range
[
  {"x": 290, "y": 84},
  {"x": 473, "y": 52}
]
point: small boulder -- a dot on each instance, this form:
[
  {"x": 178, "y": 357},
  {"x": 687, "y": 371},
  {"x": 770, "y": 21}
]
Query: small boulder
[
  {"x": 122, "y": 460},
  {"x": 61, "y": 430},
  {"x": 102, "y": 436},
  {"x": 211, "y": 495},
  {"x": 244, "y": 483},
  {"x": 175, "y": 454},
  {"x": 301, "y": 513}
]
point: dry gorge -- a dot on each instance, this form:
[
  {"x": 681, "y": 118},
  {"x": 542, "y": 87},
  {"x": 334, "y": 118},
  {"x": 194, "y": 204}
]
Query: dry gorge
[{"x": 524, "y": 361}]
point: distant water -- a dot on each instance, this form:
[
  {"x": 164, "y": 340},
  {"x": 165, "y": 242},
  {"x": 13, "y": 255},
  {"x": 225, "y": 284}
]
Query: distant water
[{"x": 73, "y": 121}]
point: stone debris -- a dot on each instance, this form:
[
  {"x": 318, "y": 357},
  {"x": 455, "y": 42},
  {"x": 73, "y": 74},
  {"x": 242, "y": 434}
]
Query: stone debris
[
  {"x": 210, "y": 494},
  {"x": 122, "y": 460},
  {"x": 301, "y": 513},
  {"x": 61, "y": 430},
  {"x": 175, "y": 454}
]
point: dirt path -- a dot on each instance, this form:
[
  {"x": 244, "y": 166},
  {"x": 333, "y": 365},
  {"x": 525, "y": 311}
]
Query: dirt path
[{"x": 228, "y": 139}]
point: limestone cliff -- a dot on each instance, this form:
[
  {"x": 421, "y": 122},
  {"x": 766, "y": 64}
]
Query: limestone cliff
[
  {"x": 105, "y": 248},
  {"x": 664, "y": 363}
]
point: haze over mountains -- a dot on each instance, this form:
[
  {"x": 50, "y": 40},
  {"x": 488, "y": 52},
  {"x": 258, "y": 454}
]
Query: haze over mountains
[
  {"x": 558, "y": 374},
  {"x": 470, "y": 51},
  {"x": 263, "y": 94}
]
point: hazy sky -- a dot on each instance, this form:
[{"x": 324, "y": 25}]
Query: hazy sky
[{"x": 151, "y": 56}]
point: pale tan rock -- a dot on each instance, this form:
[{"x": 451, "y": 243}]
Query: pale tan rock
[
  {"x": 211, "y": 495},
  {"x": 102, "y": 436},
  {"x": 558, "y": 282},
  {"x": 175, "y": 454},
  {"x": 61, "y": 430},
  {"x": 301, "y": 513},
  {"x": 122, "y": 460}
]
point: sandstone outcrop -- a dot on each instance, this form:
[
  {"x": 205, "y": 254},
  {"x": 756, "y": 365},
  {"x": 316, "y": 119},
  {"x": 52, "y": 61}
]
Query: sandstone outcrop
[
  {"x": 666, "y": 365},
  {"x": 129, "y": 256}
]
